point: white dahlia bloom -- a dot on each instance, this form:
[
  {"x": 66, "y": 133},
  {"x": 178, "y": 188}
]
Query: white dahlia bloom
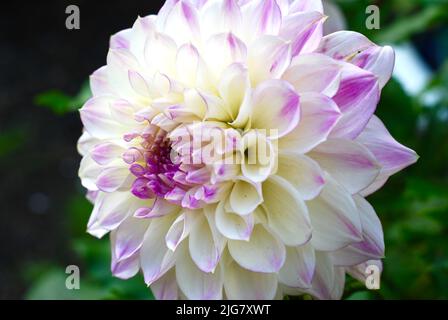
[{"x": 228, "y": 148}]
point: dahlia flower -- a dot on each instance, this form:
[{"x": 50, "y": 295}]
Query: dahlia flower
[{"x": 229, "y": 147}]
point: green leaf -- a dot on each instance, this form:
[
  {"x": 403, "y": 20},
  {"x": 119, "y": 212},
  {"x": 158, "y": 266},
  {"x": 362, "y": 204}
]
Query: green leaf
[{"x": 60, "y": 103}]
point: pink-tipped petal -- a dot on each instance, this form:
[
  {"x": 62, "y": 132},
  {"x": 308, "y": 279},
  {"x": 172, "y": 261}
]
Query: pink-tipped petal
[
  {"x": 372, "y": 245},
  {"x": 314, "y": 73},
  {"x": 220, "y": 16},
  {"x": 129, "y": 237},
  {"x": 355, "y": 48},
  {"x": 391, "y": 155},
  {"x": 275, "y": 107},
  {"x": 182, "y": 23},
  {"x": 166, "y": 287},
  {"x": 222, "y": 50},
  {"x": 349, "y": 162},
  {"x": 105, "y": 153},
  {"x": 320, "y": 115},
  {"x": 357, "y": 99},
  {"x": 269, "y": 57},
  {"x": 298, "y": 270},
  {"x": 304, "y": 30},
  {"x": 261, "y": 17},
  {"x": 112, "y": 178}
]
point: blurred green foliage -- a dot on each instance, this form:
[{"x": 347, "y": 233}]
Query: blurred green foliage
[
  {"x": 11, "y": 140},
  {"x": 400, "y": 19},
  {"x": 60, "y": 103},
  {"x": 413, "y": 205}
]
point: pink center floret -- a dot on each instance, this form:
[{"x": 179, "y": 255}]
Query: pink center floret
[{"x": 155, "y": 177}]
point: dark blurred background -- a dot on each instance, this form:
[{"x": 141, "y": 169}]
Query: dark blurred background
[
  {"x": 38, "y": 157},
  {"x": 43, "y": 213}
]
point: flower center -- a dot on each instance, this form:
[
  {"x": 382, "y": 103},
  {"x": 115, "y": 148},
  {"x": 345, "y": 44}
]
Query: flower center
[{"x": 155, "y": 172}]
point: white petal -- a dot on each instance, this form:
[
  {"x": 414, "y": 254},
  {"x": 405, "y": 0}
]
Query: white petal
[
  {"x": 181, "y": 228},
  {"x": 335, "y": 218},
  {"x": 99, "y": 83},
  {"x": 233, "y": 226},
  {"x": 204, "y": 249},
  {"x": 286, "y": 211},
  {"x": 327, "y": 279},
  {"x": 86, "y": 143},
  {"x": 262, "y": 253},
  {"x": 303, "y": 173},
  {"x": 139, "y": 84},
  {"x": 98, "y": 121},
  {"x": 245, "y": 197},
  {"x": 233, "y": 86},
  {"x": 160, "y": 53},
  {"x": 88, "y": 172},
  {"x": 378, "y": 60},
  {"x": 305, "y": 5},
  {"x": 242, "y": 284},
  {"x": 119, "y": 63},
  {"x": 155, "y": 257},
  {"x": 196, "y": 284},
  {"x": 259, "y": 156},
  {"x": 191, "y": 69},
  {"x": 216, "y": 108}
]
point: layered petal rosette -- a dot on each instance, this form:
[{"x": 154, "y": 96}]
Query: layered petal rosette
[{"x": 228, "y": 148}]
